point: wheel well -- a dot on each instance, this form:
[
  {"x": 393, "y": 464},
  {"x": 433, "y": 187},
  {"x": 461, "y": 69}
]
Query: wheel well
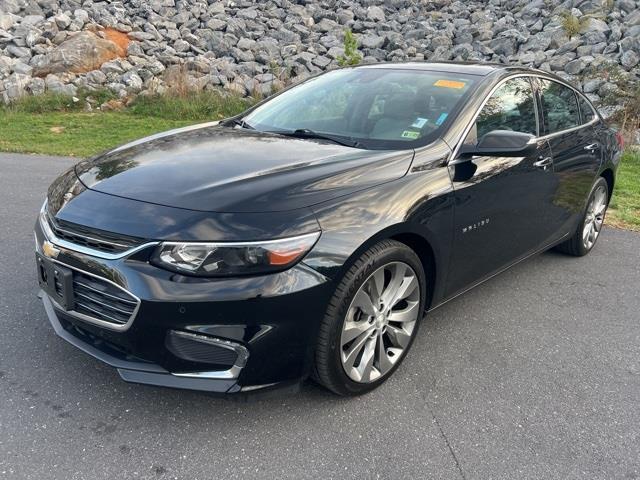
[
  {"x": 608, "y": 176},
  {"x": 424, "y": 251}
]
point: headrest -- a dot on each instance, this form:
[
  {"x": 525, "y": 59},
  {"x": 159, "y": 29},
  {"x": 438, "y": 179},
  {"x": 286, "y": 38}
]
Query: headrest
[{"x": 400, "y": 106}]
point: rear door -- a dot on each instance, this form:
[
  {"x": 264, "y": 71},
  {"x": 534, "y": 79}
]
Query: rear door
[
  {"x": 502, "y": 203},
  {"x": 575, "y": 148}
]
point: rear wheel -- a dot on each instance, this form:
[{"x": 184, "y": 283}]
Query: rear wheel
[
  {"x": 589, "y": 228},
  {"x": 371, "y": 320}
]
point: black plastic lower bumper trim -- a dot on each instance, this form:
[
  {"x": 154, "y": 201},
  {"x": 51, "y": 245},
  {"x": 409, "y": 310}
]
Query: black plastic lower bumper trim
[{"x": 134, "y": 371}]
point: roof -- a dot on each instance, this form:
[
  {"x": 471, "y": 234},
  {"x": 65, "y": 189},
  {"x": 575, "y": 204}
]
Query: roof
[{"x": 470, "y": 68}]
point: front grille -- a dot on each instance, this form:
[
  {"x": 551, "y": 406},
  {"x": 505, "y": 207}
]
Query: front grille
[
  {"x": 92, "y": 238},
  {"x": 101, "y": 300}
]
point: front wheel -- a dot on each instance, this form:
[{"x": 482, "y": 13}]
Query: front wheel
[
  {"x": 371, "y": 320},
  {"x": 590, "y": 226}
]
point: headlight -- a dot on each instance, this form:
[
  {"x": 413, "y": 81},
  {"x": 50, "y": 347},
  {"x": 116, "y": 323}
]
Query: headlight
[{"x": 233, "y": 258}]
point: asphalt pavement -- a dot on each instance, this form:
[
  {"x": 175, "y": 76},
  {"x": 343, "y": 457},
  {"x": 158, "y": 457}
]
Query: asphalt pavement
[{"x": 535, "y": 374}]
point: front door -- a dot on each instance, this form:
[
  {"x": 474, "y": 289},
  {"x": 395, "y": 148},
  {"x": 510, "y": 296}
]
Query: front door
[{"x": 502, "y": 204}]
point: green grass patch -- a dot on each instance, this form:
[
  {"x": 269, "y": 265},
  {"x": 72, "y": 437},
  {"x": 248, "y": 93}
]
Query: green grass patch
[
  {"x": 57, "y": 125},
  {"x": 75, "y": 133},
  {"x": 624, "y": 210}
]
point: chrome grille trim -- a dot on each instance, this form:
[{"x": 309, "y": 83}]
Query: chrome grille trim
[{"x": 74, "y": 247}]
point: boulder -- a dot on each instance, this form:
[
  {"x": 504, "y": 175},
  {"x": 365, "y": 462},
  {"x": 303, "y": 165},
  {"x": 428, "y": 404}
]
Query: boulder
[{"x": 83, "y": 52}]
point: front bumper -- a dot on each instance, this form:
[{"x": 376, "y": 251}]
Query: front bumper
[
  {"x": 274, "y": 318},
  {"x": 137, "y": 371}
]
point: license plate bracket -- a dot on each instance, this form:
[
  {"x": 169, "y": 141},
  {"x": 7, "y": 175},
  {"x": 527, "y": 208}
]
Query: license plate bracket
[{"x": 56, "y": 281}]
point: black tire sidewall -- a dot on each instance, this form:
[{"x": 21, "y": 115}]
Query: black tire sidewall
[{"x": 391, "y": 252}]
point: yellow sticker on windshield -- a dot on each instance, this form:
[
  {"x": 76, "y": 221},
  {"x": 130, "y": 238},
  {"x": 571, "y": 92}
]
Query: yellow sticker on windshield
[{"x": 449, "y": 84}]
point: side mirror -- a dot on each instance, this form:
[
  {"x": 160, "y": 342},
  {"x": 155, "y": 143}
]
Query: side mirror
[{"x": 502, "y": 143}]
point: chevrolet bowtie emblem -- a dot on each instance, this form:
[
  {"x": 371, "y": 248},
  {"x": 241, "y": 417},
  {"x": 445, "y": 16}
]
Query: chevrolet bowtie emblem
[{"x": 49, "y": 249}]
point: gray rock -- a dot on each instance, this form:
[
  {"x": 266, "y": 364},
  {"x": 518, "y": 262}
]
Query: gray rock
[
  {"x": 633, "y": 18},
  {"x": 592, "y": 86},
  {"x": 574, "y": 67},
  {"x": 36, "y": 86},
  {"x": 629, "y": 59},
  {"x": 96, "y": 77},
  {"x": 23, "y": 68},
  {"x": 18, "y": 52},
  {"x": 371, "y": 41},
  {"x": 55, "y": 85},
  {"x": 503, "y": 45},
  {"x": 132, "y": 81},
  {"x": 8, "y": 20},
  {"x": 15, "y": 85},
  {"x": 375, "y": 14},
  {"x": 62, "y": 20}
]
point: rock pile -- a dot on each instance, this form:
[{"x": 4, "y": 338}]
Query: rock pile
[{"x": 138, "y": 46}]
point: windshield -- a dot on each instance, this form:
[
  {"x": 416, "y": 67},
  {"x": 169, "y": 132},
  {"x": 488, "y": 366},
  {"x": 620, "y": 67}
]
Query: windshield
[{"x": 375, "y": 107}]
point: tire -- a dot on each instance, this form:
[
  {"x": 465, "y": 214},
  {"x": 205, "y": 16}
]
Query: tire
[
  {"x": 577, "y": 245},
  {"x": 347, "y": 313}
]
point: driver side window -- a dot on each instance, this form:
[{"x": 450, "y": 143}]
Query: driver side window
[{"x": 511, "y": 107}]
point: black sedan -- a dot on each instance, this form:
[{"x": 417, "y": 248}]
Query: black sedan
[{"x": 308, "y": 236}]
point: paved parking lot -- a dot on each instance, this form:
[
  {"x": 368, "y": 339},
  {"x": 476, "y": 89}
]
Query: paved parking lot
[{"x": 535, "y": 374}]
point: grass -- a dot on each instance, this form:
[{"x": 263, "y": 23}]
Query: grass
[
  {"x": 56, "y": 125},
  {"x": 624, "y": 210}
]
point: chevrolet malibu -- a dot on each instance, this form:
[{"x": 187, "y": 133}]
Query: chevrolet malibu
[{"x": 308, "y": 236}]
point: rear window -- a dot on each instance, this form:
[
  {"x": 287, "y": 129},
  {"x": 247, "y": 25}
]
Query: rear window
[
  {"x": 587, "y": 110},
  {"x": 559, "y": 106}
]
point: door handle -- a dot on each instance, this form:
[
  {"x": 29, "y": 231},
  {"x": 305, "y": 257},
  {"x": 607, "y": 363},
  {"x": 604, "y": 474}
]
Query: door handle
[
  {"x": 593, "y": 147},
  {"x": 543, "y": 162}
]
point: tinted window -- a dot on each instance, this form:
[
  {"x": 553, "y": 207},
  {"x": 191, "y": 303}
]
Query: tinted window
[
  {"x": 587, "y": 111},
  {"x": 511, "y": 107},
  {"x": 379, "y": 107},
  {"x": 560, "y": 106}
]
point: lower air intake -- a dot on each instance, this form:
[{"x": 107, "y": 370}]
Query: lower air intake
[{"x": 202, "y": 348}]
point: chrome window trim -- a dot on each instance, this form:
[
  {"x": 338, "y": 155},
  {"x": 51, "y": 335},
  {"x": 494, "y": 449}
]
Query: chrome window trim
[
  {"x": 541, "y": 75},
  {"x": 96, "y": 321},
  {"x": 231, "y": 373},
  {"x": 48, "y": 233}
]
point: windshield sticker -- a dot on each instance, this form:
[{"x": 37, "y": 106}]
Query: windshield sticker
[
  {"x": 419, "y": 122},
  {"x": 410, "y": 134},
  {"x": 441, "y": 118},
  {"x": 449, "y": 84}
]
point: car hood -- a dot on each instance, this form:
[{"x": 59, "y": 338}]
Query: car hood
[{"x": 222, "y": 169}]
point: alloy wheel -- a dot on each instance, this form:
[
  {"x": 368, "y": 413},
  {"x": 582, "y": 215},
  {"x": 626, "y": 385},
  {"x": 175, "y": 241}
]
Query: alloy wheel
[
  {"x": 595, "y": 217},
  {"x": 380, "y": 322}
]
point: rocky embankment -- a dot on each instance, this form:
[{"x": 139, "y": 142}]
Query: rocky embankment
[{"x": 138, "y": 46}]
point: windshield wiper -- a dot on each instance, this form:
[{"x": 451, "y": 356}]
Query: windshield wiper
[
  {"x": 241, "y": 123},
  {"x": 308, "y": 133}
]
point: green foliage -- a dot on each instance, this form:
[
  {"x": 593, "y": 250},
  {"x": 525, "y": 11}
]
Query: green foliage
[
  {"x": 572, "y": 25},
  {"x": 197, "y": 106},
  {"x": 57, "y": 102},
  {"x": 626, "y": 95},
  {"x": 351, "y": 55}
]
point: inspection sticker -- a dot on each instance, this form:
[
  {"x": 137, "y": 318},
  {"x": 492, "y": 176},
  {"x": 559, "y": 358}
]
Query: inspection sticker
[
  {"x": 441, "y": 118},
  {"x": 419, "y": 122},
  {"x": 449, "y": 84},
  {"x": 410, "y": 134}
]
